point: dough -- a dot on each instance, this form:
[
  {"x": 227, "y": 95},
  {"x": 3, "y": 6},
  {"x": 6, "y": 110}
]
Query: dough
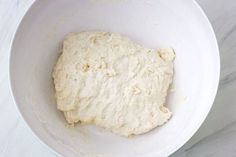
[{"x": 105, "y": 79}]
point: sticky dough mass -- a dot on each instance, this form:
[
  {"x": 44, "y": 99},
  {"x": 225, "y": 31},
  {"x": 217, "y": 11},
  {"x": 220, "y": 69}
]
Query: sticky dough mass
[{"x": 106, "y": 79}]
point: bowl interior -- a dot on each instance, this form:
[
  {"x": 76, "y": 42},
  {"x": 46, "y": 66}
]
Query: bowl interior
[{"x": 152, "y": 23}]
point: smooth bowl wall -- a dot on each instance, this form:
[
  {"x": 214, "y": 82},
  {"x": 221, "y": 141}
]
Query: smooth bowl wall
[{"x": 179, "y": 24}]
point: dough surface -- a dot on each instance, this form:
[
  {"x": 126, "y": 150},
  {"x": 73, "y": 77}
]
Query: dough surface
[{"x": 105, "y": 79}]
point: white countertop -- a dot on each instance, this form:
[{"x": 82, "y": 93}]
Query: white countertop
[{"x": 215, "y": 138}]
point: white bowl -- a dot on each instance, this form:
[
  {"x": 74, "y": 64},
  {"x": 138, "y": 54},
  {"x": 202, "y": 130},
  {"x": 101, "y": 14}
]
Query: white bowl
[{"x": 180, "y": 24}]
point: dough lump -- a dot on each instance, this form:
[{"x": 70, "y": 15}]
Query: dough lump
[{"x": 106, "y": 79}]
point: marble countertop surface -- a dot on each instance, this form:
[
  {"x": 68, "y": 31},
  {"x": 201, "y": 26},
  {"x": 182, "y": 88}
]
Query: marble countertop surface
[{"x": 215, "y": 138}]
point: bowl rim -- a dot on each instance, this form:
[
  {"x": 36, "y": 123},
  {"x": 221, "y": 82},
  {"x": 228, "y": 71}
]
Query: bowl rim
[{"x": 172, "y": 150}]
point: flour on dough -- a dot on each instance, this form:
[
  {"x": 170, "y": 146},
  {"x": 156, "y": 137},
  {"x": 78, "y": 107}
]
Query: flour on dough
[{"x": 105, "y": 79}]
